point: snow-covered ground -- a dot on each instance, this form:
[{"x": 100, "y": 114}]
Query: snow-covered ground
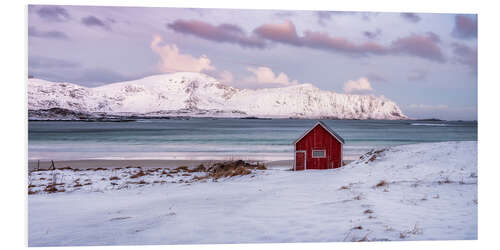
[{"x": 411, "y": 192}]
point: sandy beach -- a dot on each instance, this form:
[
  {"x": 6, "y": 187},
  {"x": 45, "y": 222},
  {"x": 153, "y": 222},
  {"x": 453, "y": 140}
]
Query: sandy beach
[{"x": 100, "y": 163}]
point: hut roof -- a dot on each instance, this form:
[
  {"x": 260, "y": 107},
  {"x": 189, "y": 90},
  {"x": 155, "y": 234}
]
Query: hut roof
[{"x": 322, "y": 124}]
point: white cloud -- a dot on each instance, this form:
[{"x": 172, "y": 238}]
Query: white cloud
[
  {"x": 360, "y": 85},
  {"x": 171, "y": 60},
  {"x": 265, "y": 76}
]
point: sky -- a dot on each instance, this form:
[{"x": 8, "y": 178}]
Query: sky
[{"x": 425, "y": 62}]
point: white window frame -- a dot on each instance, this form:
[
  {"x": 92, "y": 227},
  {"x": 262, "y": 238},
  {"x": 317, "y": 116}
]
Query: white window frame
[{"x": 324, "y": 153}]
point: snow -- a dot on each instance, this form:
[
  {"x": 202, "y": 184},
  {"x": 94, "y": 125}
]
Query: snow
[
  {"x": 429, "y": 192},
  {"x": 196, "y": 94},
  {"x": 100, "y": 179}
]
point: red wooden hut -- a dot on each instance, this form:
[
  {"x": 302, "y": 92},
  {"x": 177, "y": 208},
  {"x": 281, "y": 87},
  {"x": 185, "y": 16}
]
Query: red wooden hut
[{"x": 318, "y": 148}]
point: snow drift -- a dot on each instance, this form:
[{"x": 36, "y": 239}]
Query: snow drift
[
  {"x": 196, "y": 94},
  {"x": 414, "y": 192}
]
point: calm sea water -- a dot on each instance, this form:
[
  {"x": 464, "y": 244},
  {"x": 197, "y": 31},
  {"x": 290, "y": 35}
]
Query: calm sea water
[{"x": 223, "y": 138}]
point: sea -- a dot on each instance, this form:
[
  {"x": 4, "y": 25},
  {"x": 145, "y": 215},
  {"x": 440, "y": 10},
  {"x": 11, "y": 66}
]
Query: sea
[{"x": 224, "y": 138}]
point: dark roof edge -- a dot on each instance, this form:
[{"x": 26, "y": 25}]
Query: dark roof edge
[
  {"x": 332, "y": 132},
  {"x": 337, "y": 136}
]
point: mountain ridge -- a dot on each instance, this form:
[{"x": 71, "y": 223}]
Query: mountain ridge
[{"x": 199, "y": 95}]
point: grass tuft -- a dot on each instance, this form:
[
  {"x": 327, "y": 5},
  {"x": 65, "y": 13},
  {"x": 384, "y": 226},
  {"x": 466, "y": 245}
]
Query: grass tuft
[
  {"x": 368, "y": 211},
  {"x": 138, "y": 174},
  {"x": 381, "y": 183}
]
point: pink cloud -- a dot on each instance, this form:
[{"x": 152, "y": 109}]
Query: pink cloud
[
  {"x": 361, "y": 85},
  {"x": 419, "y": 45},
  {"x": 465, "y": 27},
  {"x": 424, "y": 46},
  {"x": 228, "y": 33},
  {"x": 280, "y": 32},
  {"x": 265, "y": 76},
  {"x": 325, "y": 41},
  {"x": 172, "y": 60}
]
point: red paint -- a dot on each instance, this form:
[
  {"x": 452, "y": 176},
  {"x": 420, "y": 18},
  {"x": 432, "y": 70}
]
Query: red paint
[
  {"x": 300, "y": 160},
  {"x": 318, "y": 138}
]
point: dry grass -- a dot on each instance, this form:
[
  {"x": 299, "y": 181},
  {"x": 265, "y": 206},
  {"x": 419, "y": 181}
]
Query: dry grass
[
  {"x": 182, "y": 168},
  {"x": 381, "y": 183},
  {"x": 365, "y": 238},
  {"x": 142, "y": 182},
  {"x": 368, "y": 211},
  {"x": 198, "y": 178},
  {"x": 446, "y": 180},
  {"x": 214, "y": 171},
  {"x": 228, "y": 169},
  {"x": 200, "y": 168},
  {"x": 138, "y": 174},
  {"x": 52, "y": 189},
  {"x": 261, "y": 167},
  {"x": 32, "y": 192}
]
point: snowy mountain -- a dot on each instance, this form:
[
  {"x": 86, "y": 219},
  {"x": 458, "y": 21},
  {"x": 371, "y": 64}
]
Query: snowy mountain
[{"x": 196, "y": 94}]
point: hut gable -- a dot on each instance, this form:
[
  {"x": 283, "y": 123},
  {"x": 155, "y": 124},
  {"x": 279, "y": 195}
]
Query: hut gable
[{"x": 318, "y": 148}]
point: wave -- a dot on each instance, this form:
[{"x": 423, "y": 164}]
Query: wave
[{"x": 429, "y": 124}]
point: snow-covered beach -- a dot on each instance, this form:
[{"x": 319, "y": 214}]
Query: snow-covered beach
[{"x": 411, "y": 192}]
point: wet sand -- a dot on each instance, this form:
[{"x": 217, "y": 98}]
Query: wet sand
[{"x": 97, "y": 163}]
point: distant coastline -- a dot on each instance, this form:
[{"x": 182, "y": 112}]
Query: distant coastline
[{"x": 62, "y": 114}]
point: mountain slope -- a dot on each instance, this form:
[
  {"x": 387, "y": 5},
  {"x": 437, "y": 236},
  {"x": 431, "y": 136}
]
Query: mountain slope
[{"x": 196, "y": 94}]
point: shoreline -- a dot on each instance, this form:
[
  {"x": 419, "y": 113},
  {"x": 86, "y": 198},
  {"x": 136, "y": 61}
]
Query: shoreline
[
  {"x": 149, "y": 163},
  {"x": 143, "y": 163}
]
